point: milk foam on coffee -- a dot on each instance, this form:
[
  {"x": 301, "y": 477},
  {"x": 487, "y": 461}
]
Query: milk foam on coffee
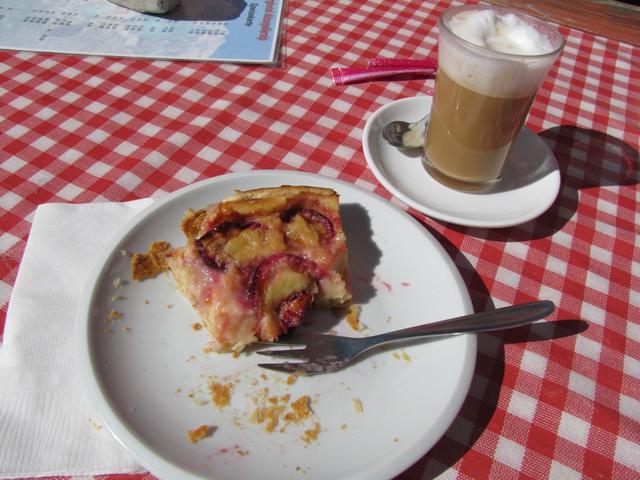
[
  {"x": 501, "y": 33},
  {"x": 497, "y": 75}
]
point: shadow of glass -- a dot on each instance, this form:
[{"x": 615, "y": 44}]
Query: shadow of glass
[
  {"x": 528, "y": 161},
  {"x": 586, "y": 159},
  {"x": 207, "y": 10}
]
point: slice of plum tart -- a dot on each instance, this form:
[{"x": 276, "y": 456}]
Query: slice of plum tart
[{"x": 255, "y": 263}]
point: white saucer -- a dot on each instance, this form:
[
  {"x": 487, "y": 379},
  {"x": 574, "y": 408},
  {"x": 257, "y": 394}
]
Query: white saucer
[{"x": 529, "y": 185}]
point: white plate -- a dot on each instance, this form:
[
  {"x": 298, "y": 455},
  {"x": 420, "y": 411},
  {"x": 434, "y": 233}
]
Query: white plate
[
  {"x": 529, "y": 184},
  {"x": 148, "y": 382}
]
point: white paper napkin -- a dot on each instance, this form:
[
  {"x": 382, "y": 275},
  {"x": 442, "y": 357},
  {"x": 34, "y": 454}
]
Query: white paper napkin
[{"x": 47, "y": 425}]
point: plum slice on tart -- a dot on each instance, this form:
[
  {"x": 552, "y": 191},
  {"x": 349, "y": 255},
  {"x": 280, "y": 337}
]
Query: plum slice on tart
[{"x": 255, "y": 263}]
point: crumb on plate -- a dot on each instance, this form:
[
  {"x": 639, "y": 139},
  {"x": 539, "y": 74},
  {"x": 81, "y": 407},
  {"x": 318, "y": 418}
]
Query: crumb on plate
[
  {"x": 115, "y": 315},
  {"x": 353, "y": 317},
  {"x": 311, "y": 434},
  {"x": 300, "y": 410},
  {"x": 203, "y": 431},
  {"x": 150, "y": 264},
  {"x": 291, "y": 379},
  {"x": 220, "y": 393},
  {"x": 270, "y": 416},
  {"x": 97, "y": 426}
]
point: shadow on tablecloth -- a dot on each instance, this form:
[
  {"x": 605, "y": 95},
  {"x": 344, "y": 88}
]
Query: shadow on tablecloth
[
  {"x": 587, "y": 159},
  {"x": 482, "y": 400}
]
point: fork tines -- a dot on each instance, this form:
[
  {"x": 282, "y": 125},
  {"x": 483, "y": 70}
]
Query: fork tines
[
  {"x": 297, "y": 353},
  {"x": 286, "y": 367}
]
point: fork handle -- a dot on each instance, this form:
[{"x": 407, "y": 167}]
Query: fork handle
[{"x": 498, "y": 319}]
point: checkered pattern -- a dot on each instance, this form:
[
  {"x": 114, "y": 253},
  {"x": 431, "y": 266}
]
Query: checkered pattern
[{"x": 85, "y": 129}]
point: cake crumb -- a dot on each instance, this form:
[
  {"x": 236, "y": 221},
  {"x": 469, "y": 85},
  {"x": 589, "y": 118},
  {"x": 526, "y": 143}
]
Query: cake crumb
[
  {"x": 406, "y": 357},
  {"x": 353, "y": 317},
  {"x": 203, "y": 431},
  {"x": 357, "y": 404},
  {"x": 220, "y": 393},
  {"x": 115, "y": 315},
  {"x": 196, "y": 326},
  {"x": 268, "y": 415},
  {"x": 291, "y": 379},
  {"x": 95, "y": 425},
  {"x": 311, "y": 434},
  {"x": 152, "y": 263},
  {"x": 343, "y": 426},
  {"x": 300, "y": 410},
  {"x": 272, "y": 409}
]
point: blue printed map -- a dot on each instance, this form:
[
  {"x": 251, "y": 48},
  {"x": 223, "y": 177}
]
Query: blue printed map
[{"x": 206, "y": 30}]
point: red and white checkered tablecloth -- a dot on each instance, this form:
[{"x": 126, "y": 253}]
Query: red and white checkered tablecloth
[{"x": 89, "y": 129}]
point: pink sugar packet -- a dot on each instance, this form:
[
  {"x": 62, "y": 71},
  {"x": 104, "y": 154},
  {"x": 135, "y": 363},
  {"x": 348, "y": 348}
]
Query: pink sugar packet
[
  {"x": 380, "y": 68},
  {"x": 403, "y": 63},
  {"x": 345, "y": 75}
]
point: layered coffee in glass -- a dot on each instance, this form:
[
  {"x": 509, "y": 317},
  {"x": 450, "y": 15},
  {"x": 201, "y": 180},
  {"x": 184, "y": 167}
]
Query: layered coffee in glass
[{"x": 491, "y": 62}]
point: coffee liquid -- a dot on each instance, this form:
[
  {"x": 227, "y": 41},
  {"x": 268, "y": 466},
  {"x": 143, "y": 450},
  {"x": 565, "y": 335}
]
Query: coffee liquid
[{"x": 457, "y": 144}]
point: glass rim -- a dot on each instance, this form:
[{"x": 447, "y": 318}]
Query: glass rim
[{"x": 555, "y": 34}]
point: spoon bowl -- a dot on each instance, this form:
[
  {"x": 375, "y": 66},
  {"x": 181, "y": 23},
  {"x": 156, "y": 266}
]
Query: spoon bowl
[{"x": 405, "y": 135}]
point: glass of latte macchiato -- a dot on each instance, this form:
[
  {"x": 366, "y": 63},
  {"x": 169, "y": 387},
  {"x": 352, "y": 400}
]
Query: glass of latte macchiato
[{"x": 491, "y": 62}]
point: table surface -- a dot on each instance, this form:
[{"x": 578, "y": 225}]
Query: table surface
[
  {"x": 553, "y": 400},
  {"x": 597, "y": 17}
]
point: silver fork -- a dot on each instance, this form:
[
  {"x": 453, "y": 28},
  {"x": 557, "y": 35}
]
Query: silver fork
[{"x": 325, "y": 353}]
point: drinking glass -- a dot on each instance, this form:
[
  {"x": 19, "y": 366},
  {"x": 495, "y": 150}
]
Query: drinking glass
[{"x": 482, "y": 95}]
